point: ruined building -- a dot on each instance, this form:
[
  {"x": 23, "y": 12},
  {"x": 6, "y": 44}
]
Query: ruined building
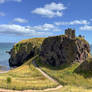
[{"x": 70, "y": 33}]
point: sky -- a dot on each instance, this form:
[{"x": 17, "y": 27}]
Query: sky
[{"x": 23, "y": 19}]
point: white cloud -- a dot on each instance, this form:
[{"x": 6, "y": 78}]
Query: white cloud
[
  {"x": 50, "y": 10},
  {"x": 86, "y": 27},
  {"x": 26, "y": 30},
  {"x": 45, "y": 27},
  {"x": 90, "y": 19},
  {"x": 75, "y": 22},
  {"x": 3, "y": 1},
  {"x": 2, "y": 14},
  {"x": 20, "y": 20}
]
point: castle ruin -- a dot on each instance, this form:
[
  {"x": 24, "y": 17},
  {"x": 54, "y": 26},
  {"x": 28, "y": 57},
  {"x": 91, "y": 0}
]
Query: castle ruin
[{"x": 70, "y": 33}]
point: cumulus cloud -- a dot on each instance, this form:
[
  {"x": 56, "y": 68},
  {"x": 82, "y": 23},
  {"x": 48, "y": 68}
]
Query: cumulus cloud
[
  {"x": 41, "y": 30},
  {"x": 75, "y": 22},
  {"x": 4, "y": 1},
  {"x": 86, "y": 27},
  {"x": 90, "y": 19},
  {"x": 50, "y": 10},
  {"x": 20, "y": 20},
  {"x": 2, "y": 14},
  {"x": 45, "y": 27}
]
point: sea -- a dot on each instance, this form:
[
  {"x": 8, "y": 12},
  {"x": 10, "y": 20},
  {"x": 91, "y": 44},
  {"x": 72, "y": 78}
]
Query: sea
[{"x": 4, "y": 57}]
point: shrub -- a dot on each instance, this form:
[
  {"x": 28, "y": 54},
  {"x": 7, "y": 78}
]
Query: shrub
[{"x": 8, "y": 80}]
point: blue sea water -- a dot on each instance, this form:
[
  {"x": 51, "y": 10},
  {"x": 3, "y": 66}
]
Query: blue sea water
[{"x": 4, "y": 57}]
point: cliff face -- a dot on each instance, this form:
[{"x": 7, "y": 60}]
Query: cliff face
[
  {"x": 61, "y": 49},
  {"x": 86, "y": 66},
  {"x": 52, "y": 50},
  {"x": 24, "y": 50}
]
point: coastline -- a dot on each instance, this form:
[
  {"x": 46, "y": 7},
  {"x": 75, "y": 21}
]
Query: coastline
[{"x": 4, "y": 68}]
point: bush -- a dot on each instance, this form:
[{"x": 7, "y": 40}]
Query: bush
[{"x": 8, "y": 80}]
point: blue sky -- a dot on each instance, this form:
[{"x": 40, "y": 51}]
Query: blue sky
[{"x": 23, "y": 19}]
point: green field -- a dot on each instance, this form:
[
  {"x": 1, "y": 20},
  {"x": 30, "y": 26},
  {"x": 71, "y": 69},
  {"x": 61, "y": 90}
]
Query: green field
[
  {"x": 28, "y": 77},
  {"x": 25, "y": 77},
  {"x": 66, "y": 75}
]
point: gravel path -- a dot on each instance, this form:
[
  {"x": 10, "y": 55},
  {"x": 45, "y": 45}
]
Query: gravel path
[
  {"x": 43, "y": 73},
  {"x": 3, "y": 71}
]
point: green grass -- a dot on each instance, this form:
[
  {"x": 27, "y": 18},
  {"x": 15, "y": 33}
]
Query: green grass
[
  {"x": 27, "y": 45},
  {"x": 25, "y": 77},
  {"x": 65, "y": 75},
  {"x": 71, "y": 89}
]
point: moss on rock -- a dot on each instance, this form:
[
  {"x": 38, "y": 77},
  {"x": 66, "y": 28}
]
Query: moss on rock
[{"x": 24, "y": 50}]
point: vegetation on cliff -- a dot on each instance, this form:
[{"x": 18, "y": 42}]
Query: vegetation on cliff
[
  {"x": 24, "y": 50},
  {"x": 85, "y": 68}
]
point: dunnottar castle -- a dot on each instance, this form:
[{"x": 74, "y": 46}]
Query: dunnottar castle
[{"x": 70, "y": 33}]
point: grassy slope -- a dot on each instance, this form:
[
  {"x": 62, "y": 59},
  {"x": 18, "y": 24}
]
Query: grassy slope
[
  {"x": 66, "y": 76},
  {"x": 27, "y": 74},
  {"x": 71, "y": 89},
  {"x": 25, "y": 77}
]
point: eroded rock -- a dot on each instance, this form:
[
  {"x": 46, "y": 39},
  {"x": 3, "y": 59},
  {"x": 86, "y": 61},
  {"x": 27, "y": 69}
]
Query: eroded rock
[
  {"x": 24, "y": 50},
  {"x": 62, "y": 49}
]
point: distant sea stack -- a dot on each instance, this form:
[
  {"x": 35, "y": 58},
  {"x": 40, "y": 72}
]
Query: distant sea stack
[
  {"x": 54, "y": 50},
  {"x": 64, "y": 49}
]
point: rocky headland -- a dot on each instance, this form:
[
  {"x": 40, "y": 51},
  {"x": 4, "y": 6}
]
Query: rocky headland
[
  {"x": 24, "y": 50},
  {"x": 54, "y": 50}
]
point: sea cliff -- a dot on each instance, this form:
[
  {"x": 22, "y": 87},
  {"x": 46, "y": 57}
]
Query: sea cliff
[{"x": 54, "y": 50}]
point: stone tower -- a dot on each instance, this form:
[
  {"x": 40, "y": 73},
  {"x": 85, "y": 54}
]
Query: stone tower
[{"x": 70, "y": 33}]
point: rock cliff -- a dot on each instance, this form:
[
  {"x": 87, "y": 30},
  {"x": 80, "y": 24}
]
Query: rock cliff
[
  {"x": 85, "y": 66},
  {"x": 24, "y": 50},
  {"x": 61, "y": 49},
  {"x": 54, "y": 50}
]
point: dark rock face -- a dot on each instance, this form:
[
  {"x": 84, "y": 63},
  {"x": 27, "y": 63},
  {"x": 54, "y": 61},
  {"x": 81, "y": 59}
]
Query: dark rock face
[
  {"x": 24, "y": 50},
  {"x": 86, "y": 66},
  {"x": 52, "y": 50},
  {"x": 61, "y": 49}
]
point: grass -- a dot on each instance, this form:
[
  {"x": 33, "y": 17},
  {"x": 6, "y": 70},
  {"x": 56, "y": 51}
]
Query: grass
[
  {"x": 27, "y": 45},
  {"x": 71, "y": 89},
  {"x": 65, "y": 75},
  {"x": 25, "y": 77}
]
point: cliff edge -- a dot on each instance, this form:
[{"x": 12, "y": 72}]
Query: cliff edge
[
  {"x": 24, "y": 50},
  {"x": 54, "y": 50}
]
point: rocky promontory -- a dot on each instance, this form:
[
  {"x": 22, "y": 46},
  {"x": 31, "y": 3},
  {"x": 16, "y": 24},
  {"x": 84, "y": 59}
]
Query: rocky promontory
[
  {"x": 54, "y": 50},
  {"x": 24, "y": 50}
]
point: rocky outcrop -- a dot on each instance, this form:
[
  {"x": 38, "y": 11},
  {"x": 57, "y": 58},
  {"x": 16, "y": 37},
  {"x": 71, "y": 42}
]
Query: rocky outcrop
[
  {"x": 62, "y": 49},
  {"x": 85, "y": 66},
  {"x": 54, "y": 50},
  {"x": 24, "y": 50}
]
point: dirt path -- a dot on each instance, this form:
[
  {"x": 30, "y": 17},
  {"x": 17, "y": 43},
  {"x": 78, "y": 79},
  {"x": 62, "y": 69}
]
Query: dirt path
[
  {"x": 43, "y": 73},
  {"x": 3, "y": 71},
  {"x": 45, "y": 90},
  {"x": 47, "y": 76}
]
